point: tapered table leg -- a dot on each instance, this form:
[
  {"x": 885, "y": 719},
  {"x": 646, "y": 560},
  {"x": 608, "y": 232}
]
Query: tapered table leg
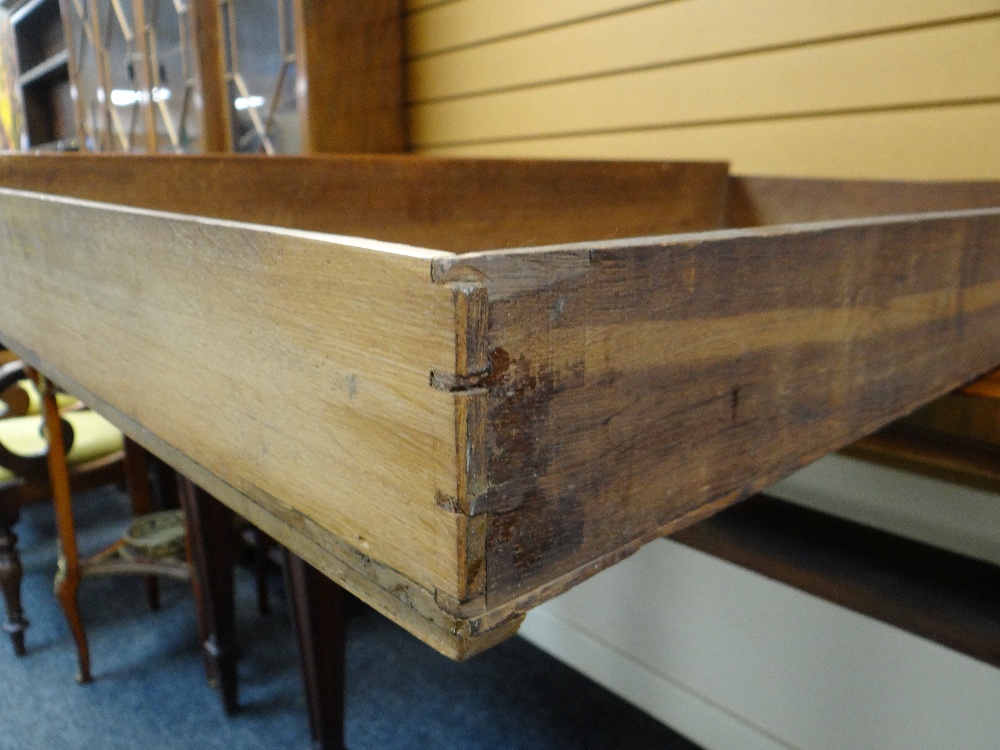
[
  {"x": 317, "y": 607},
  {"x": 210, "y": 539},
  {"x": 137, "y": 484},
  {"x": 10, "y": 579},
  {"x": 262, "y": 559}
]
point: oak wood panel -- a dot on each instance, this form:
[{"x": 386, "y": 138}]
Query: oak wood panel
[
  {"x": 895, "y": 70},
  {"x": 640, "y": 386},
  {"x": 454, "y": 205},
  {"x": 433, "y": 27},
  {"x": 934, "y": 143},
  {"x": 163, "y": 290},
  {"x": 467, "y": 436},
  {"x": 396, "y": 596},
  {"x": 667, "y": 34},
  {"x": 759, "y": 201},
  {"x": 319, "y": 397}
]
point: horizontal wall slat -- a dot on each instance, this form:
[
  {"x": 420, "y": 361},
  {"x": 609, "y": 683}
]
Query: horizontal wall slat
[
  {"x": 450, "y": 25},
  {"x": 637, "y": 39},
  {"x": 410, "y": 6},
  {"x": 939, "y": 64},
  {"x": 945, "y": 143}
]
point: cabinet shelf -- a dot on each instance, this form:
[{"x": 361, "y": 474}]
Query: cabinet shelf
[
  {"x": 43, "y": 80},
  {"x": 53, "y": 68}
]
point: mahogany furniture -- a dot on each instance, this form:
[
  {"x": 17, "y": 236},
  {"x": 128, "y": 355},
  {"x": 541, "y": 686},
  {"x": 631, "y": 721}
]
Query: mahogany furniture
[
  {"x": 26, "y": 481},
  {"x": 209, "y": 526},
  {"x": 108, "y": 562}
]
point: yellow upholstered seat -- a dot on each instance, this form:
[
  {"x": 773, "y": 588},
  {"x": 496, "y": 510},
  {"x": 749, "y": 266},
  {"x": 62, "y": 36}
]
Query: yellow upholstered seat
[
  {"x": 93, "y": 438},
  {"x": 34, "y": 401},
  {"x": 21, "y": 399}
]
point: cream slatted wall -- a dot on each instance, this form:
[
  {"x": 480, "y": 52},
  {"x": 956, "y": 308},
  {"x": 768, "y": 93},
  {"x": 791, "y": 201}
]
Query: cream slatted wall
[{"x": 893, "y": 88}]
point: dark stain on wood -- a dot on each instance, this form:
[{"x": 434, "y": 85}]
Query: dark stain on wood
[
  {"x": 531, "y": 539},
  {"x": 656, "y": 390},
  {"x": 517, "y": 413}
]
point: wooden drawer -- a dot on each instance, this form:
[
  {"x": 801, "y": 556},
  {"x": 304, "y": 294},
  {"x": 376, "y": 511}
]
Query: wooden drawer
[{"x": 460, "y": 387}]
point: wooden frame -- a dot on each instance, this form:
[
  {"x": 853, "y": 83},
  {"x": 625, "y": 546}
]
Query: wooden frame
[{"x": 457, "y": 434}]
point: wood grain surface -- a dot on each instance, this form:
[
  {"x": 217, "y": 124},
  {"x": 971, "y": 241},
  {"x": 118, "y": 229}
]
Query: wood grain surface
[
  {"x": 290, "y": 366},
  {"x": 349, "y": 77},
  {"x": 456, "y": 438},
  {"x": 638, "y": 386},
  {"x": 759, "y": 201},
  {"x": 447, "y": 204}
]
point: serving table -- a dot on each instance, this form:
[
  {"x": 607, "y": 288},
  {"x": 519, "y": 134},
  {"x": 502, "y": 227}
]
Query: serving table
[{"x": 458, "y": 388}]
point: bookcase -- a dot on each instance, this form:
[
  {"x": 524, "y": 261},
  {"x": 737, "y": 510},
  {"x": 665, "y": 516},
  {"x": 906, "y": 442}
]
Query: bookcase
[
  {"x": 205, "y": 75},
  {"x": 42, "y": 89}
]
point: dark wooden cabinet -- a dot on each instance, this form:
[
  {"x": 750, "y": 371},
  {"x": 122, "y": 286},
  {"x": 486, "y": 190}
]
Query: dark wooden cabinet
[{"x": 43, "y": 80}]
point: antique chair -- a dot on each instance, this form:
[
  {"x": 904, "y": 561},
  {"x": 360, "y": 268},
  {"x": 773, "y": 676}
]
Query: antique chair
[
  {"x": 80, "y": 451},
  {"x": 94, "y": 459},
  {"x": 94, "y": 454},
  {"x": 88, "y": 452}
]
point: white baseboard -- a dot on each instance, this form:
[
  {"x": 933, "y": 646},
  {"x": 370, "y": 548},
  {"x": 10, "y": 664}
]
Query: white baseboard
[
  {"x": 734, "y": 661},
  {"x": 691, "y": 715}
]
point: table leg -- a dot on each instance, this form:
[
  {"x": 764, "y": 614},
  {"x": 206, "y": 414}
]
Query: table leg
[
  {"x": 141, "y": 496},
  {"x": 317, "y": 607},
  {"x": 210, "y": 536},
  {"x": 10, "y": 579},
  {"x": 262, "y": 561}
]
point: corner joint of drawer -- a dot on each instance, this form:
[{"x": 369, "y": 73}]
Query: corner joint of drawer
[
  {"x": 453, "y": 383},
  {"x": 501, "y": 498}
]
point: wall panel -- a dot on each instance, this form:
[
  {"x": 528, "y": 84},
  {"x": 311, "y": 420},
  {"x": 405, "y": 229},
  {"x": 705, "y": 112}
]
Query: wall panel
[
  {"x": 898, "y": 70},
  {"x": 597, "y": 46},
  {"x": 906, "y": 89},
  {"x": 955, "y": 142},
  {"x": 433, "y": 27}
]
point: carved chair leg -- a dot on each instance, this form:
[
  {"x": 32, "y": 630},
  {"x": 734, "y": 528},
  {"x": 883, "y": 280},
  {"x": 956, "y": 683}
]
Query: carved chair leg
[
  {"x": 68, "y": 577},
  {"x": 66, "y": 592},
  {"x": 10, "y": 580},
  {"x": 210, "y": 537},
  {"x": 317, "y": 607},
  {"x": 141, "y": 496}
]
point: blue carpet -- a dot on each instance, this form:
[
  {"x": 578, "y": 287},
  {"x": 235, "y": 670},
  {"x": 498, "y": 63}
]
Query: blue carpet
[{"x": 149, "y": 688}]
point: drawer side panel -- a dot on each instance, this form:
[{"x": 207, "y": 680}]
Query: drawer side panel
[
  {"x": 636, "y": 387},
  {"x": 292, "y": 368}
]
